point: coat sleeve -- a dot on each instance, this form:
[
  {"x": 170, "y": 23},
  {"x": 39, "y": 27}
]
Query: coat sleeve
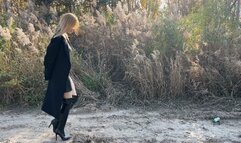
[{"x": 50, "y": 57}]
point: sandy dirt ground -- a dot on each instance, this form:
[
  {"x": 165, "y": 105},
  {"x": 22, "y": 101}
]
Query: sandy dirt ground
[{"x": 123, "y": 126}]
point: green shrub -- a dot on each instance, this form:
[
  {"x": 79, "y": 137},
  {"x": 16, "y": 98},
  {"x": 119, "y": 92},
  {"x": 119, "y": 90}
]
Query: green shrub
[{"x": 168, "y": 38}]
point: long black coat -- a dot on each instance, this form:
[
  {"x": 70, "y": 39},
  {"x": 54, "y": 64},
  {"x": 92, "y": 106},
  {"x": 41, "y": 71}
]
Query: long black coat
[{"x": 57, "y": 67}]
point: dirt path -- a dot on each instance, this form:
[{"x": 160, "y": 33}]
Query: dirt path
[{"x": 123, "y": 126}]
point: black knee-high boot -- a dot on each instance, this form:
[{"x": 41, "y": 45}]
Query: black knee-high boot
[
  {"x": 55, "y": 121},
  {"x": 67, "y": 104}
]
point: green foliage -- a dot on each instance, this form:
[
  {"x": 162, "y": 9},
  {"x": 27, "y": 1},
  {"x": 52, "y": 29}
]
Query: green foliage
[
  {"x": 110, "y": 19},
  {"x": 168, "y": 39},
  {"x": 103, "y": 2},
  {"x": 31, "y": 77},
  {"x": 192, "y": 26},
  {"x": 93, "y": 83},
  {"x": 21, "y": 80},
  {"x": 212, "y": 24},
  {"x": 92, "y": 80},
  {"x": 3, "y": 19},
  {"x": 107, "y": 2},
  {"x": 218, "y": 22},
  {"x": 211, "y": 35}
]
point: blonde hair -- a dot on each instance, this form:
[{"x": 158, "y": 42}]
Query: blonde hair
[{"x": 67, "y": 21}]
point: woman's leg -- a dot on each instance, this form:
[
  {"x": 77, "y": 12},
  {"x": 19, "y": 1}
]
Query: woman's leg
[
  {"x": 69, "y": 89},
  {"x": 68, "y": 95},
  {"x": 74, "y": 93},
  {"x": 71, "y": 93}
]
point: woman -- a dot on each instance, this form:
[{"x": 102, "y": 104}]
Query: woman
[{"x": 61, "y": 94}]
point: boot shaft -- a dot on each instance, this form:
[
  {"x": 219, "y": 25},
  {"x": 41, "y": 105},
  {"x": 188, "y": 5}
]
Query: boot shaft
[{"x": 64, "y": 113}]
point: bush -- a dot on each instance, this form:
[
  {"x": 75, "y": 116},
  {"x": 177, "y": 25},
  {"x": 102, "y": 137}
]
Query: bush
[
  {"x": 21, "y": 68},
  {"x": 128, "y": 55}
]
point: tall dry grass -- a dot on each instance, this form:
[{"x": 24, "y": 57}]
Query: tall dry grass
[
  {"x": 23, "y": 41},
  {"x": 119, "y": 53},
  {"x": 150, "y": 57}
]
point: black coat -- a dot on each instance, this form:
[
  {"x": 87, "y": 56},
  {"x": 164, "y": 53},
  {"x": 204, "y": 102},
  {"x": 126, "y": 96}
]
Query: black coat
[{"x": 57, "y": 67}]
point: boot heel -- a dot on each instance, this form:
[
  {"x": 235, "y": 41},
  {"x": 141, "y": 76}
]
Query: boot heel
[
  {"x": 56, "y": 135},
  {"x": 50, "y": 124}
]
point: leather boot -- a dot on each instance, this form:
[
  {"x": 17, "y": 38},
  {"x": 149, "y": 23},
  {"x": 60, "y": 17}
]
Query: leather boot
[{"x": 67, "y": 104}]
